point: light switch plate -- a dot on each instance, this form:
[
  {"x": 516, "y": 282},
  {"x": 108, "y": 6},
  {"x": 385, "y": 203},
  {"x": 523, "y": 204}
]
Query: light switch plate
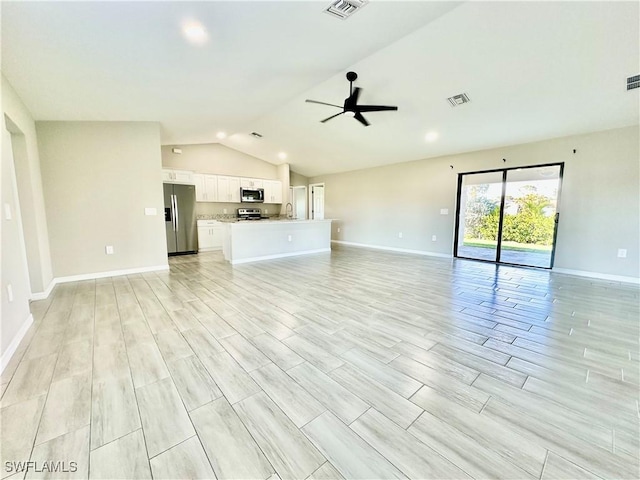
[
  {"x": 7, "y": 211},
  {"x": 150, "y": 211},
  {"x": 108, "y": 249},
  {"x": 444, "y": 211},
  {"x": 622, "y": 253}
]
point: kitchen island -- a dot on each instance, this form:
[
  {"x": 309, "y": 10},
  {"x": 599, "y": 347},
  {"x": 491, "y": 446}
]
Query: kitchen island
[{"x": 250, "y": 241}]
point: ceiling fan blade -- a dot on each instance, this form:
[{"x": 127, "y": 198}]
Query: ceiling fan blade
[
  {"x": 332, "y": 116},
  {"x": 374, "y": 108},
  {"x": 323, "y": 103},
  {"x": 352, "y": 100},
  {"x": 358, "y": 116}
]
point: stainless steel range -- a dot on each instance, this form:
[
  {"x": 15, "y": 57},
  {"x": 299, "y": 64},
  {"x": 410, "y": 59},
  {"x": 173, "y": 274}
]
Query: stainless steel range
[{"x": 249, "y": 214}]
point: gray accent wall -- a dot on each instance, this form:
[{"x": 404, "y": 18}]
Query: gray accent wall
[
  {"x": 98, "y": 178},
  {"x": 599, "y": 208}
]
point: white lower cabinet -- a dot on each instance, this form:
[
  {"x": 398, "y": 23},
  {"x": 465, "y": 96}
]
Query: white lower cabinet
[{"x": 210, "y": 234}]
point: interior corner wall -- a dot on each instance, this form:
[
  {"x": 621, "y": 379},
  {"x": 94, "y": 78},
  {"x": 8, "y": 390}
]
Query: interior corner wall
[
  {"x": 98, "y": 178},
  {"x": 298, "y": 180},
  {"x": 599, "y": 206},
  {"x": 15, "y": 315},
  {"x": 30, "y": 192}
]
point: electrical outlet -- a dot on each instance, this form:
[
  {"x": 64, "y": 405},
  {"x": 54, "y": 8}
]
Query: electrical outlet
[
  {"x": 433, "y": 238},
  {"x": 9, "y": 293},
  {"x": 622, "y": 253},
  {"x": 399, "y": 234},
  {"x": 266, "y": 211},
  {"x": 338, "y": 229},
  {"x": 289, "y": 238},
  {"x": 444, "y": 211},
  {"x": 108, "y": 249},
  {"x": 224, "y": 210}
]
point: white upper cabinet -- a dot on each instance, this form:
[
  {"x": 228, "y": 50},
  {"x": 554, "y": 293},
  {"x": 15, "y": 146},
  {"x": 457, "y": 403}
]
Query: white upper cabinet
[
  {"x": 206, "y": 187},
  {"x": 177, "y": 176},
  {"x": 272, "y": 191},
  {"x": 252, "y": 183},
  {"x": 228, "y": 189}
]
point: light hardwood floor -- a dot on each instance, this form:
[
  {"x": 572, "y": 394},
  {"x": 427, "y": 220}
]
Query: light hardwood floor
[{"x": 358, "y": 364}]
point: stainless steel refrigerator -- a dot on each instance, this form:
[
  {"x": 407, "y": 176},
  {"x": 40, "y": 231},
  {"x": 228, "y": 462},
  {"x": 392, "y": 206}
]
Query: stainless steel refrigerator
[{"x": 180, "y": 218}]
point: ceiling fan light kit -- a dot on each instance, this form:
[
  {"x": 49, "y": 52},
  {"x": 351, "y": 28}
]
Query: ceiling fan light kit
[{"x": 351, "y": 107}]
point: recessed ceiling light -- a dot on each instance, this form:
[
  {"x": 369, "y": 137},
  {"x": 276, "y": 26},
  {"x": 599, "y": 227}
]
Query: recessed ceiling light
[
  {"x": 195, "y": 32},
  {"x": 221, "y": 135},
  {"x": 282, "y": 155},
  {"x": 431, "y": 136}
]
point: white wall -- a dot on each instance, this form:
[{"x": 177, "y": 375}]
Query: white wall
[
  {"x": 599, "y": 208},
  {"x": 28, "y": 175},
  {"x": 218, "y": 159},
  {"x": 98, "y": 177},
  {"x": 14, "y": 271}
]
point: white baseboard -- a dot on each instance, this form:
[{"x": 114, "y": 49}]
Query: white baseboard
[
  {"x": 598, "y": 276},
  {"x": 566, "y": 271},
  {"x": 92, "y": 276},
  {"x": 13, "y": 346},
  {"x": 46, "y": 293},
  {"x": 393, "y": 249},
  {"x": 279, "y": 255}
]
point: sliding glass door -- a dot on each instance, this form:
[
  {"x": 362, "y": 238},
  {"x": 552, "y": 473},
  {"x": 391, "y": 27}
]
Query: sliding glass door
[{"x": 509, "y": 215}]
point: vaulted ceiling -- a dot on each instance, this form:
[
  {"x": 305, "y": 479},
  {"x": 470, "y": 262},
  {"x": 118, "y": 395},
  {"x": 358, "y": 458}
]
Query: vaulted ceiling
[{"x": 533, "y": 70}]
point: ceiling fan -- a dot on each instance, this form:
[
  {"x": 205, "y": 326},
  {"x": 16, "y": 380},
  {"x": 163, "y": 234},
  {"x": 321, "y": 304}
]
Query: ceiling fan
[{"x": 351, "y": 107}]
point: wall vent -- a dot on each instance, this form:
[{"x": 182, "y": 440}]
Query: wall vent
[
  {"x": 344, "y": 8},
  {"x": 459, "y": 99},
  {"x": 633, "y": 82}
]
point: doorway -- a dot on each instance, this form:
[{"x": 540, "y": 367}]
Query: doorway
[
  {"x": 509, "y": 215},
  {"x": 299, "y": 202},
  {"x": 316, "y": 201}
]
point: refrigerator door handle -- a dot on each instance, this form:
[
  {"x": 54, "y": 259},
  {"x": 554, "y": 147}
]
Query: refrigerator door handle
[
  {"x": 175, "y": 216},
  {"x": 173, "y": 212}
]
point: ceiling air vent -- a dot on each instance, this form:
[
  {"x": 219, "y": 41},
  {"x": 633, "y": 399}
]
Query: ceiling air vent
[
  {"x": 459, "y": 99},
  {"x": 256, "y": 134},
  {"x": 633, "y": 82},
  {"x": 345, "y": 8}
]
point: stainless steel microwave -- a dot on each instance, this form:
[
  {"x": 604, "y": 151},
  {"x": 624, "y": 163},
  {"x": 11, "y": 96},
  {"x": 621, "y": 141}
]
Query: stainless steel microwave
[{"x": 252, "y": 195}]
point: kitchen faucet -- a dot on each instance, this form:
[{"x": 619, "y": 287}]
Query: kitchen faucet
[{"x": 289, "y": 209}]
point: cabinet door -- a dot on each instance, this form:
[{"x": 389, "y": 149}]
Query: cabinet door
[
  {"x": 272, "y": 191},
  {"x": 276, "y": 191},
  {"x": 201, "y": 188},
  {"x": 234, "y": 190},
  {"x": 204, "y": 238},
  {"x": 223, "y": 189},
  {"x": 167, "y": 175},
  {"x": 251, "y": 183},
  {"x": 211, "y": 188},
  {"x": 183, "y": 176},
  {"x": 216, "y": 235}
]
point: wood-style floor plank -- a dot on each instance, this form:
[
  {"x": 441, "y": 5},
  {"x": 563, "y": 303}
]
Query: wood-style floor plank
[
  {"x": 358, "y": 363},
  {"x": 352, "y": 456}
]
